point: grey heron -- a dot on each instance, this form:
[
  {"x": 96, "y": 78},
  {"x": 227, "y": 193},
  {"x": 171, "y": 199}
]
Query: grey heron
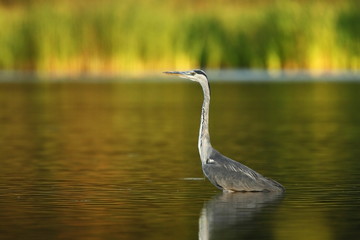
[{"x": 223, "y": 172}]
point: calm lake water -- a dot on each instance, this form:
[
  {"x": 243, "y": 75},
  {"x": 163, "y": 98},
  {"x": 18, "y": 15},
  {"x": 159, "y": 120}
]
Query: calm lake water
[{"x": 120, "y": 161}]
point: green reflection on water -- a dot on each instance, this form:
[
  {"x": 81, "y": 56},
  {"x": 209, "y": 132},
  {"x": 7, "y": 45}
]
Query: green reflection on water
[{"x": 110, "y": 160}]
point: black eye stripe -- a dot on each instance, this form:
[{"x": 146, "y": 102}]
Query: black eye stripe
[{"x": 200, "y": 72}]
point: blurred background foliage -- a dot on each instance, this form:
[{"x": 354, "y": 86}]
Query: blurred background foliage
[{"x": 110, "y": 36}]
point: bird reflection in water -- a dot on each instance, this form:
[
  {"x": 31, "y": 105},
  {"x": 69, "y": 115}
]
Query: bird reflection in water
[{"x": 227, "y": 212}]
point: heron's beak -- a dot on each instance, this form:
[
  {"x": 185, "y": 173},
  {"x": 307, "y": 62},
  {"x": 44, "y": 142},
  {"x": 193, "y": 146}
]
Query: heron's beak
[{"x": 180, "y": 74}]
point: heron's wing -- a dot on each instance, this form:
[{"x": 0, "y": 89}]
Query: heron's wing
[{"x": 228, "y": 174}]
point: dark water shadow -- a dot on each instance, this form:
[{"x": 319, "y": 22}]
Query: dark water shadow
[{"x": 226, "y": 213}]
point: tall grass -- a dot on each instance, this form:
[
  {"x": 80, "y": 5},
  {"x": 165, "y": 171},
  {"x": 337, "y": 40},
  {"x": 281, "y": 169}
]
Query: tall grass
[{"x": 111, "y": 36}]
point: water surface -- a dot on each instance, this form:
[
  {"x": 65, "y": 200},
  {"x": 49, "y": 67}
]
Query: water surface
[{"x": 119, "y": 160}]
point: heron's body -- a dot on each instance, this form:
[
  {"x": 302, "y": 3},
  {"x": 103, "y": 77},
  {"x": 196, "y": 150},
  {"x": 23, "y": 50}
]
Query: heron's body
[
  {"x": 223, "y": 172},
  {"x": 230, "y": 175}
]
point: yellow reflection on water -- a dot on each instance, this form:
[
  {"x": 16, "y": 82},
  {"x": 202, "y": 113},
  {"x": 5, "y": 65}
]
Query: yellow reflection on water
[
  {"x": 301, "y": 224},
  {"x": 120, "y": 159}
]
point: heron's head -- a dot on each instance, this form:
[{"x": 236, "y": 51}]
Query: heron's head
[{"x": 194, "y": 75}]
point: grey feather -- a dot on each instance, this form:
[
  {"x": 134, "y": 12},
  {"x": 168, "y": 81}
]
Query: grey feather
[{"x": 230, "y": 175}]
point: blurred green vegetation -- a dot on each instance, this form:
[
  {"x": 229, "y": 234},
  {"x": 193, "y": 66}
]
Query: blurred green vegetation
[{"x": 111, "y": 36}]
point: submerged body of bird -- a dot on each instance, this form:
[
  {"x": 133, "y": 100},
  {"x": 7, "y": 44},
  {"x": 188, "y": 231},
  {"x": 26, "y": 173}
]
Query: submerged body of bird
[{"x": 223, "y": 172}]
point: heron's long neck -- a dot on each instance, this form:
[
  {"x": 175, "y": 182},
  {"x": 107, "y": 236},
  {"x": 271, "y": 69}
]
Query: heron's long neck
[{"x": 204, "y": 144}]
